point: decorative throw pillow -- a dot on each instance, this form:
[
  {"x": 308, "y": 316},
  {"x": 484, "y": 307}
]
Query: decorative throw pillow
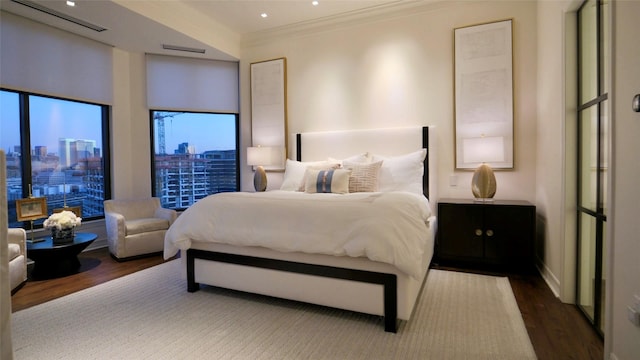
[
  {"x": 327, "y": 181},
  {"x": 402, "y": 173},
  {"x": 364, "y": 177},
  {"x": 323, "y": 166},
  {"x": 294, "y": 174}
]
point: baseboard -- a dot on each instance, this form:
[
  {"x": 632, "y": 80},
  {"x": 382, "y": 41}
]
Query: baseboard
[{"x": 552, "y": 282}]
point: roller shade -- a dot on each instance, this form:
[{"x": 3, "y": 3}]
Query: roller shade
[
  {"x": 41, "y": 59},
  {"x": 192, "y": 84}
]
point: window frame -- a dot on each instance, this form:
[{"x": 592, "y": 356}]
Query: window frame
[
  {"x": 154, "y": 191},
  {"x": 24, "y": 119}
]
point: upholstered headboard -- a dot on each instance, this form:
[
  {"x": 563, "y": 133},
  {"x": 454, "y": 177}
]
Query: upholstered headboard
[{"x": 341, "y": 144}]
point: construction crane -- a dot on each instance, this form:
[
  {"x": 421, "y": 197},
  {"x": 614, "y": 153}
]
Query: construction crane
[{"x": 159, "y": 116}]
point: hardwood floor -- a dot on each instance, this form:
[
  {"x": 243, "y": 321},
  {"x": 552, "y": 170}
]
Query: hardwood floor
[
  {"x": 556, "y": 330},
  {"x": 96, "y": 267}
]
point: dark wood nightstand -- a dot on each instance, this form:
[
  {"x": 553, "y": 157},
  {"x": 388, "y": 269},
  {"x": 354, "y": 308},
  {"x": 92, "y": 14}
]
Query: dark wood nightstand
[{"x": 496, "y": 235}]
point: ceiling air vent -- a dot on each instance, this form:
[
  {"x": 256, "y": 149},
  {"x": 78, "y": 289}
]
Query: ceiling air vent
[
  {"x": 182, "y": 48},
  {"x": 60, "y": 15}
]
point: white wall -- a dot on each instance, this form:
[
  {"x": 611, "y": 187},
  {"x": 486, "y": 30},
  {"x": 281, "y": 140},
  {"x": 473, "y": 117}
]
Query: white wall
[
  {"x": 130, "y": 128},
  {"x": 398, "y": 71},
  {"x": 556, "y": 126},
  {"x": 622, "y": 339}
]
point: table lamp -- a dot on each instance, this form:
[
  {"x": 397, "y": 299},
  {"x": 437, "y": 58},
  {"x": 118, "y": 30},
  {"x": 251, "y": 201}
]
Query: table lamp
[
  {"x": 483, "y": 150},
  {"x": 261, "y": 156}
]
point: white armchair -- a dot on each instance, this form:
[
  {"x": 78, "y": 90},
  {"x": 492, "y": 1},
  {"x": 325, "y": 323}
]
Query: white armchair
[
  {"x": 136, "y": 227},
  {"x": 17, "y": 239}
]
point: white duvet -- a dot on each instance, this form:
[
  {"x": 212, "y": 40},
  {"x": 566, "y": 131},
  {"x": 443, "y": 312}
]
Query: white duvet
[{"x": 389, "y": 227}]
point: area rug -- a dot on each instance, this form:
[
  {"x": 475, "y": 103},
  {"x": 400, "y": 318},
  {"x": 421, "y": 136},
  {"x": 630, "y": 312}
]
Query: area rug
[{"x": 150, "y": 315}]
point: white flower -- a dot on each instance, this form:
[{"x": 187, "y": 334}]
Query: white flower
[{"x": 62, "y": 220}]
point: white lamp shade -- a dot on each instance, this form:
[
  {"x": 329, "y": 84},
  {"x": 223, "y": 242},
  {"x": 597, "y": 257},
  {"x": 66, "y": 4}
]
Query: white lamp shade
[
  {"x": 263, "y": 155},
  {"x": 483, "y": 149}
]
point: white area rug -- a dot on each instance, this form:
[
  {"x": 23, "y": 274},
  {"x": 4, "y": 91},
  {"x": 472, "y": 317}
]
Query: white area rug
[{"x": 150, "y": 315}]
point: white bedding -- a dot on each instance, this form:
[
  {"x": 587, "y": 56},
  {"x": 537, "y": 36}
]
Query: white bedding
[{"x": 389, "y": 227}]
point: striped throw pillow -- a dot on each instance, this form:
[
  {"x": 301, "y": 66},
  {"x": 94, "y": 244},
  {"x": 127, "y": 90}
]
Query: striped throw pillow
[{"x": 327, "y": 181}]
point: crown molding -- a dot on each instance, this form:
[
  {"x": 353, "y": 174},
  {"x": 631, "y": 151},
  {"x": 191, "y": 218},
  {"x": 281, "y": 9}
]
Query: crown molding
[{"x": 354, "y": 18}]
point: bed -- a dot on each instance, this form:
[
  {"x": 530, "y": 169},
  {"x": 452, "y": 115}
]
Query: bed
[{"x": 324, "y": 266}]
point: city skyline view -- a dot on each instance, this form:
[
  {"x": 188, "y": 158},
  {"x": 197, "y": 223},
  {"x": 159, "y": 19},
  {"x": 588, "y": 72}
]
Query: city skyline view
[
  {"x": 203, "y": 131},
  {"x": 54, "y": 119},
  {"x": 66, "y": 153},
  {"x": 50, "y": 120}
]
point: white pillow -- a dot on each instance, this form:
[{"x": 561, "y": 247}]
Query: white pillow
[
  {"x": 327, "y": 181},
  {"x": 294, "y": 174},
  {"x": 364, "y": 177},
  {"x": 360, "y": 158},
  {"x": 402, "y": 173}
]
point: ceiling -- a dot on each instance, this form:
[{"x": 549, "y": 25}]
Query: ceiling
[
  {"x": 243, "y": 16},
  {"x": 139, "y": 26}
]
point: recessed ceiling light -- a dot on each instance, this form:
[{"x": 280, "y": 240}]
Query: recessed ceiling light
[
  {"x": 315, "y": 3},
  {"x": 264, "y": 15},
  {"x": 71, "y": 3}
]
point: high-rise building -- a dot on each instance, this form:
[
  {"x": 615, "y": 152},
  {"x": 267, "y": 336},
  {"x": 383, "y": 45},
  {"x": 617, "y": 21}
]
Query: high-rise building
[
  {"x": 184, "y": 148},
  {"x": 71, "y": 151},
  {"x": 184, "y": 178},
  {"x": 40, "y": 151},
  {"x": 84, "y": 149},
  {"x": 65, "y": 153}
]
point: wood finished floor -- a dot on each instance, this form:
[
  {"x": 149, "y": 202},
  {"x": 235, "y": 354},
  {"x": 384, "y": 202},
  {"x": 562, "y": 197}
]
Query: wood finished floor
[{"x": 556, "y": 330}]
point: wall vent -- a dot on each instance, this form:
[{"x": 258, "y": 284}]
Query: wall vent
[
  {"x": 60, "y": 15},
  {"x": 182, "y": 48}
]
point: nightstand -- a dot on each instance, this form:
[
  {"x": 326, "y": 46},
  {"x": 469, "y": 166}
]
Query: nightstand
[{"x": 497, "y": 235}]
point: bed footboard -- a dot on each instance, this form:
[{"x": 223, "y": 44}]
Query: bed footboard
[{"x": 388, "y": 281}]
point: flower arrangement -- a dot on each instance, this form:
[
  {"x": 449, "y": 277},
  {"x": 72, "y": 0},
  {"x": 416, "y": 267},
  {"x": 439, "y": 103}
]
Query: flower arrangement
[{"x": 62, "y": 220}]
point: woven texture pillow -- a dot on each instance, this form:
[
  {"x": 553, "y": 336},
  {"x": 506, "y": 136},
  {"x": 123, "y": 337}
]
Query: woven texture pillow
[
  {"x": 327, "y": 181},
  {"x": 364, "y": 177}
]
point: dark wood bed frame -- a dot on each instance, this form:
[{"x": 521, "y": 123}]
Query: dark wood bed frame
[{"x": 388, "y": 281}]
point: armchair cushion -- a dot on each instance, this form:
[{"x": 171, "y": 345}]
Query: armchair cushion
[
  {"x": 17, "y": 250},
  {"x": 138, "y": 226}
]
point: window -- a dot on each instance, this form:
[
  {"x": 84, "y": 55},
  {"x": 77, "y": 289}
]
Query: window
[
  {"x": 193, "y": 155},
  {"x": 57, "y": 149}
]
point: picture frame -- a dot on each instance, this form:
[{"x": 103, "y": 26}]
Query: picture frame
[
  {"x": 77, "y": 210},
  {"x": 269, "y": 107},
  {"x": 31, "y": 208},
  {"x": 483, "y": 56}
]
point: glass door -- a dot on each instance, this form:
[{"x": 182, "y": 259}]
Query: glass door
[{"x": 593, "y": 145}]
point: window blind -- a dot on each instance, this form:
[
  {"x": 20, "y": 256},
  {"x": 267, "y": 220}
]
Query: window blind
[
  {"x": 180, "y": 83},
  {"x": 41, "y": 59}
]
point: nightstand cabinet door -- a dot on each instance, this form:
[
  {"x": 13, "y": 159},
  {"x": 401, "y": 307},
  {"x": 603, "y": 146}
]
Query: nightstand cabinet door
[
  {"x": 460, "y": 224},
  {"x": 500, "y": 234}
]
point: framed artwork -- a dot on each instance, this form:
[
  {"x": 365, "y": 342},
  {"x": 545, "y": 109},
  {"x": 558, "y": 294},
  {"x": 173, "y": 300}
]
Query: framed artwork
[
  {"x": 269, "y": 107},
  {"x": 31, "y": 208},
  {"x": 77, "y": 210},
  {"x": 484, "y": 95}
]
